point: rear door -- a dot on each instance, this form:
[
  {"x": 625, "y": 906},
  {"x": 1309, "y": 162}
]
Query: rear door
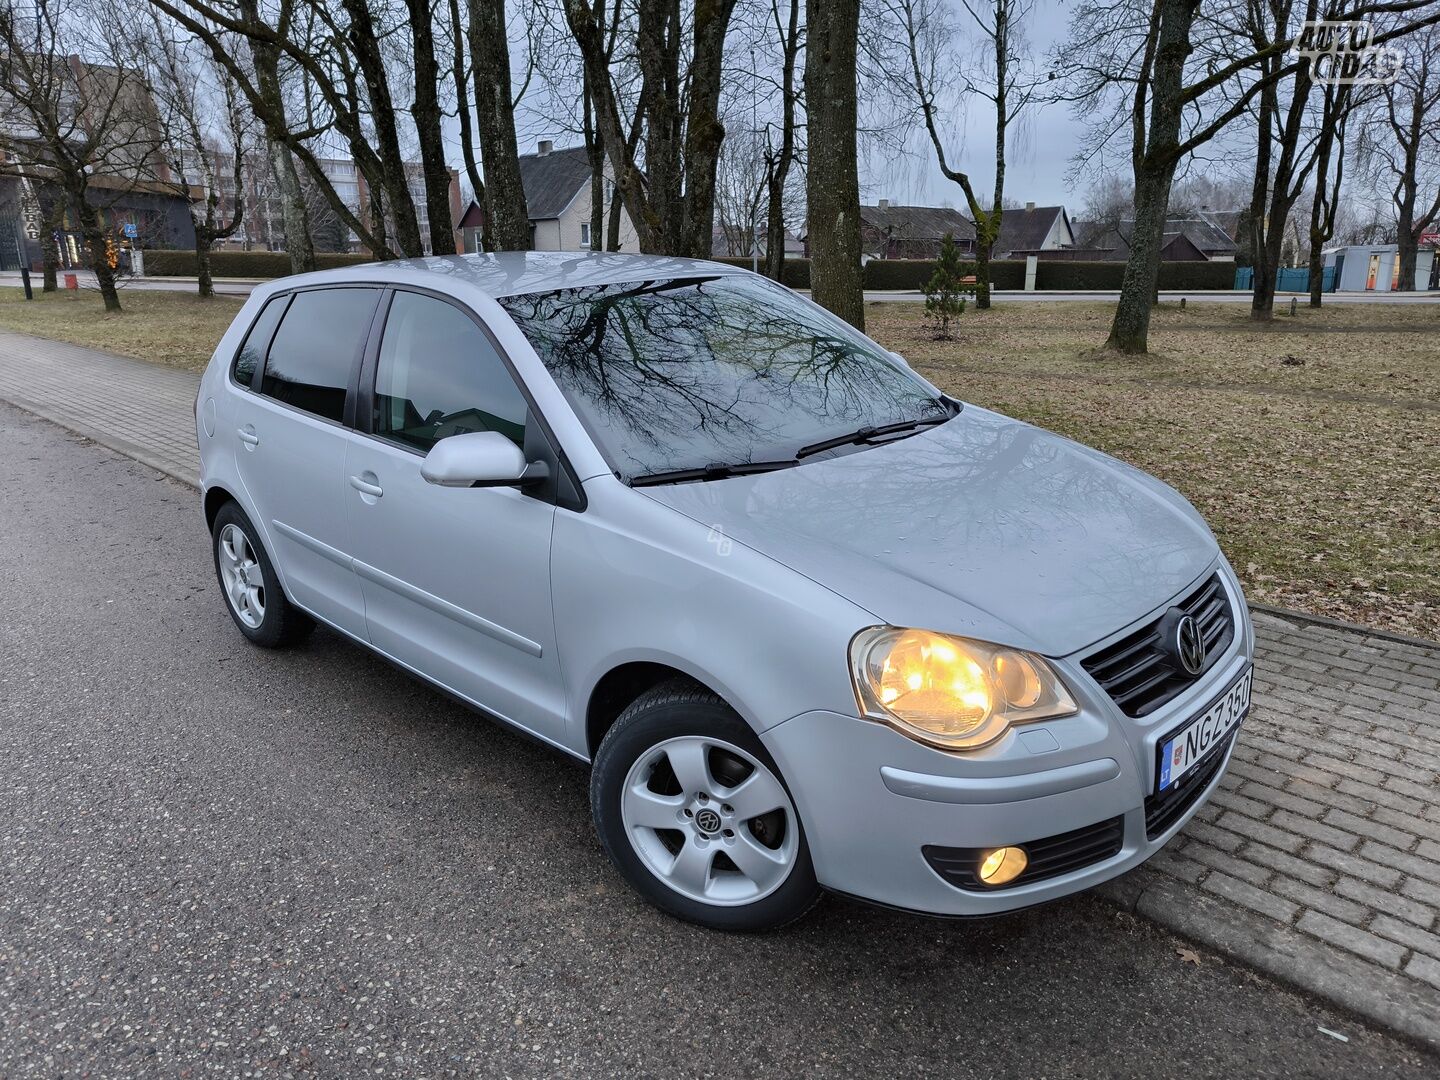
[
  {"x": 292, "y": 438},
  {"x": 456, "y": 580}
]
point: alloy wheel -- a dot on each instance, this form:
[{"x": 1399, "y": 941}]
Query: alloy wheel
[
  {"x": 241, "y": 576},
  {"x": 710, "y": 820}
]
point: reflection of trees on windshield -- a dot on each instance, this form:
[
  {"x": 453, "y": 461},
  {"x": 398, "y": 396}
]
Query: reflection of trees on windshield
[{"x": 685, "y": 372}]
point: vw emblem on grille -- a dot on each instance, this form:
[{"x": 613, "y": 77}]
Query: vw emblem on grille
[{"x": 1189, "y": 645}]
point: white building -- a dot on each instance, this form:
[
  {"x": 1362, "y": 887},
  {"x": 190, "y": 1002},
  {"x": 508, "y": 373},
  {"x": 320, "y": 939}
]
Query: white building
[
  {"x": 557, "y": 198},
  {"x": 1376, "y": 267}
]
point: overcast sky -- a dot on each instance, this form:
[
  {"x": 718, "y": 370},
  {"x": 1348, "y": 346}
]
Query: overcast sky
[{"x": 1039, "y": 157}]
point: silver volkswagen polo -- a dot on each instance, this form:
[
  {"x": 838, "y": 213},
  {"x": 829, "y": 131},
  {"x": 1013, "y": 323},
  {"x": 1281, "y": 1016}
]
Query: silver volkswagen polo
[{"x": 815, "y": 624}]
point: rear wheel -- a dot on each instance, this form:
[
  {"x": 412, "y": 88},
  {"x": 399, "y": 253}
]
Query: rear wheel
[
  {"x": 252, "y": 591},
  {"x": 693, "y": 811}
]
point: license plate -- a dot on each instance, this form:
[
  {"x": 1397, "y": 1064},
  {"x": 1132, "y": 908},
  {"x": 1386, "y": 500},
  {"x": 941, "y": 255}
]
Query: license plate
[{"x": 1187, "y": 747}]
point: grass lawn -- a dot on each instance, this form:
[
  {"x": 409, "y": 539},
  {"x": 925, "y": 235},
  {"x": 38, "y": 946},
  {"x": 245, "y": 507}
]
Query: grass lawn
[
  {"x": 178, "y": 329},
  {"x": 1312, "y": 446}
]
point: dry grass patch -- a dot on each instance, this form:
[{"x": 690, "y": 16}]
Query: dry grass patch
[
  {"x": 172, "y": 328},
  {"x": 1321, "y": 480}
]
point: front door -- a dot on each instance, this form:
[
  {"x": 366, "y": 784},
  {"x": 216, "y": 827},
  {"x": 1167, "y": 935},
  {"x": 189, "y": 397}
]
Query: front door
[
  {"x": 291, "y": 443},
  {"x": 456, "y": 580}
]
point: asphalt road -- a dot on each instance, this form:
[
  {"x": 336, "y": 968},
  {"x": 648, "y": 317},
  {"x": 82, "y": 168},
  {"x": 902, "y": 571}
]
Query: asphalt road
[{"x": 216, "y": 860}]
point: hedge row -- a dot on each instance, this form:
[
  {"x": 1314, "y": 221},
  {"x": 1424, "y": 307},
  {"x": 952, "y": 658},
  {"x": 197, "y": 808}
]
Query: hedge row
[
  {"x": 796, "y": 272},
  {"x": 239, "y": 264},
  {"x": 1058, "y": 274}
]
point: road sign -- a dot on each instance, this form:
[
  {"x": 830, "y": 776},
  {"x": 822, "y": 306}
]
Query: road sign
[{"x": 131, "y": 230}]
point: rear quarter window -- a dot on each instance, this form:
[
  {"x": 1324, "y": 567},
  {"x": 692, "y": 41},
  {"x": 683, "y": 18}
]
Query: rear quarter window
[
  {"x": 247, "y": 360},
  {"x": 315, "y": 351}
]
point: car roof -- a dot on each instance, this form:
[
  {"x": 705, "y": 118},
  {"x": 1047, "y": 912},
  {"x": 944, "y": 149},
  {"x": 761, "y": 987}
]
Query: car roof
[{"x": 512, "y": 273}]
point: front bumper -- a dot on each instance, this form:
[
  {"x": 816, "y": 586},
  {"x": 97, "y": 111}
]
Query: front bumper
[{"x": 871, "y": 799}]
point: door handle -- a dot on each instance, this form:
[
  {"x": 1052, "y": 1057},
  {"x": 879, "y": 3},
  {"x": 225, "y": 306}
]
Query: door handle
[
  {"x": 248, "y": 436},
  {"x": 365, "y": 487}
]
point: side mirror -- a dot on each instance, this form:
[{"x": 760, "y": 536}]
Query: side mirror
[{"x": 479, "y": 459}]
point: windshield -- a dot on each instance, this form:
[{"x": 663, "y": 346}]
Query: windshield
[{"x": 687, "y": 373}]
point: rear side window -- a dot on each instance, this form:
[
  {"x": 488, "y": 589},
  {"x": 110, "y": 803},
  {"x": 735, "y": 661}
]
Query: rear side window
[
  {"x": 316, "y": 349},
  {"x": 247, "y": 360}
]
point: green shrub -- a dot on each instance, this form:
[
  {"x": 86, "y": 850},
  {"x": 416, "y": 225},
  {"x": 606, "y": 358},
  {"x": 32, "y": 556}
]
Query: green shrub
[
  {"x": 946, "y": 290},
  {"x": 160, "y": 262},
  {"x": 1063, "y": 274}
]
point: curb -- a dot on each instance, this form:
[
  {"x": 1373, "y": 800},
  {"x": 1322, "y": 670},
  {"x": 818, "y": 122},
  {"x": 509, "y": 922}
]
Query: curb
[
  {"x": 111, "y": 442},
  {"x": 1388, "y": 1000},
  {"x": 1291, "y": 615}
]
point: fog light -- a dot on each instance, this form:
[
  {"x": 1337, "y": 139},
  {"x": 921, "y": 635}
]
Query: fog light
[{"x": 1003, "y": 865}]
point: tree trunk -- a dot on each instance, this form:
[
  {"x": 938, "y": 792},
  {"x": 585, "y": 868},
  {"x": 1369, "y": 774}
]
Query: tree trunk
[
  {"x": 1129, "y": 332},
  {"x": 202, "y": 263},
  {"x": 982, "y": 274},
  {"x": 1409, "y": 249},
  {"x": 704, "y": 132},
  {"x": 832, "y": 182},
  {"x": 364, "y": 45},
  {"x": 595, "y": 157},
  {"x": 505, "y": 214},
  {"x": 612, "y": 227},
  {"x": 780, "y": 168},
  {"x": 295, "y": 214},
  {"x": 1154, "y": 158},
  {"x": 99, "y": 253},
  {"x": 425, "y": 111},
  {"x": 462, "y": 100},
  {"x": 52, "y": 219}
]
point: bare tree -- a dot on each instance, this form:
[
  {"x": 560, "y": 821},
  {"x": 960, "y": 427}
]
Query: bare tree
[
  {"x": 1134, "y": 64},
  {"x": 1002, "y": 74},
  {"x": 832, "y": 179},
  {"x": 87, "y": 128},
  {"x": 671, "y": 201},
  {"x": 207, "y": 137},
  {"x": 1338, "y": 101},
  {"x": 507, "y": 220},
  {"x": 1400, "y": 147}
]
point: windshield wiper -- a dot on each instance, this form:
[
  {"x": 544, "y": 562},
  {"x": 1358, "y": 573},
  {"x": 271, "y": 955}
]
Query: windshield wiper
[
  {"x": 869, "y": 434},
  {"x": 715, "y": 471}
]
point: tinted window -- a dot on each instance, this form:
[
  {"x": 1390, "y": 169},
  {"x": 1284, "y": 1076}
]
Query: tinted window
[
  {"x": 315, "y": 349},
  {"x": 248, "y": 358},
  {"x": 439, "y": 376},
  {"x": 684, "y": 373}
]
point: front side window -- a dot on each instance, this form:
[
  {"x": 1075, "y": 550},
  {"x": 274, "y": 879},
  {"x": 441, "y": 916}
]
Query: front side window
[
  {"x": 687, "y": 373},
  {"x": 316, "y": 349},
  {"x": 438, "y": 375},
  {"x": 247, "y": 360}
]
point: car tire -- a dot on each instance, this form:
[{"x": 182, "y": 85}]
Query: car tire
[
  {"x": 253, "y": 596},
  {"x": 674, "y": 785}
]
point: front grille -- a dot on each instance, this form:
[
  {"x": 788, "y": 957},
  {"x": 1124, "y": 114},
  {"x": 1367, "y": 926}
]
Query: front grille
[
  {"x": 1138, "y": 671},
  {"x": 1166, "y": 808},
  {"x": 1049, "y": 857}
]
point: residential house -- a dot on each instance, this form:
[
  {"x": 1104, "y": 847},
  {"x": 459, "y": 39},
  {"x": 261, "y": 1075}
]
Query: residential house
[
  {"x": 1185, "y": 239},
  {"x": 1031, "y": 229},
  {"x": 557, "y": 199},
  {"x": 738, "y": 241},
  {"x": 889, "y": 231}
]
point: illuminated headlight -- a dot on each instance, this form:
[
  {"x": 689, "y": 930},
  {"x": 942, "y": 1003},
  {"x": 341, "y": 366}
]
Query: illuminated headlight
[{"x": 951, "y": 692}]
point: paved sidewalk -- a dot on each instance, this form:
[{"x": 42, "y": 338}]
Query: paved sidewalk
[
  {"x": 142, "y": 410},
  {"x": 1317, "y": 862}
]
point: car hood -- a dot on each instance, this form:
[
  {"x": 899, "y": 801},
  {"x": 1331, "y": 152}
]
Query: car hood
[{"x": 984, "y": 527}]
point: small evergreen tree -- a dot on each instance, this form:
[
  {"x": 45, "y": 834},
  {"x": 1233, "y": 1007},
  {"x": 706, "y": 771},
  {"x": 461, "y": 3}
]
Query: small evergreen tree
[{"x": 946, "y": 289}]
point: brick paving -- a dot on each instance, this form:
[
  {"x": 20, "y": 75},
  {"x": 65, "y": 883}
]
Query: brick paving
[
  {"x": 142, "y": 410},
  {"x": 1317, "y": 860}
]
